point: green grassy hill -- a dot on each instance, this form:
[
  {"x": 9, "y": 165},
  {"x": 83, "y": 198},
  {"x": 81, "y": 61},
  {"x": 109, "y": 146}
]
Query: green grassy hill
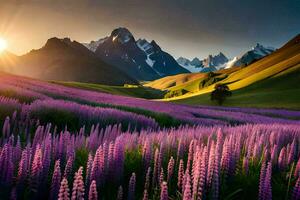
[
  {"x": 280, "y": 91},
  {"x": 272, "y": 81},
  {"x": 129, "y": 90}
]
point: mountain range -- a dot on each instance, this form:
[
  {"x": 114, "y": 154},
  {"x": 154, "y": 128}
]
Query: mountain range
[
  {"x": 114, "y": 60},
  {"x": 66, "y": 60},
  {"x": 220, "y": 61},
  {"x": 140, "y": 59}
]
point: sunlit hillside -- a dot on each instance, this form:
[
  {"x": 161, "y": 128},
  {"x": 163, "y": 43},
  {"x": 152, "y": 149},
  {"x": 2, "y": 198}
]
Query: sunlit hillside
[{"x": 285, "y": 60}]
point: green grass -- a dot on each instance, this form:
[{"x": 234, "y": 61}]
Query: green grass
[
  {"x": 133, "y": 91},
  {"x": 276, "y": 92}
]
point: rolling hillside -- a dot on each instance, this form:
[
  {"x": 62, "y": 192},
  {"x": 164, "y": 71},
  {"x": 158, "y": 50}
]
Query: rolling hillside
[
  {"x": 279, "y": 91},
  {"x": 127, "y": 90},
  {"x": 255, "y": 85},
  {"x": 172, "y": 81}
]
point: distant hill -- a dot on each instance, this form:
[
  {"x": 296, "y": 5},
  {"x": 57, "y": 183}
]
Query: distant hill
[
  {"x": 255, "y": 54},
  {"x": 140, "y": 59},
  {"x": 268, "y": 75},
  {"x": 209, "y": 64},
  {"x": 216, "y": 62},
  {"x": 66, "y": 60}
]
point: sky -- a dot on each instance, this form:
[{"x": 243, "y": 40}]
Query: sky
[{"x": 188, "y": 28}]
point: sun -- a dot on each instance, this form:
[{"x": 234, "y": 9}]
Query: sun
[{"x": 3, "y": 44}]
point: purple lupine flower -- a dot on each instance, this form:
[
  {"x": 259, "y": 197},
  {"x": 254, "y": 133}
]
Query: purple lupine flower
[
  {"x": 211, "y": 161},
  {"x": 164, "y": 191},
  {"x": 145, "y": 195},
  {"x": 170, "y": 169},
  {"x": 64, "y": 190},
  {"x": 120, "y": 193},
  {"x": 190, "y": 155},
  {"x": 6, "y": 165},
  {"x": 267, "y": 194},
  {"x": 93, "y": 194},
  {"x": 36, "y": 169},
  {"x": 147, "y": 179},
  {"x": 262, "y": 181},
  {"x": 119, "y": 158},
  {"x": 56, "y": 179},
  {"x": 110, "y": 159},
  {"x": 22, "y": 170},
  {"x": 6, "y": 128},
  {"x": 161, "y": 177},
  {"x": 98, "y": 166},
  {"x": 180, "y": 175},
  {"x": 47, "y": 158},
  {"x": 78, "y": 186},
  {"x": 292, "y": 151},
  {"x": 196, "y": 172},
  {"x": 155, "y": 168},
  {"x": 89, "y": 166},
  {"x": 282, "y": 159},
  {"x": 69, "y": 167},
  {"x": 216, "y": 174},
  {"x": 159, "y": 164},
  {"x": 17, "y": 150},
  {"x": 201, "y": 186},
  {"x": 179, "y": 150},
  {"x": 146, "y": 154},
  {"x": 296, "y": 190},
  {"x": 187, "y": 194},
  {"x": 274, "y": 154},
  {"x": 131, "y": 187}
]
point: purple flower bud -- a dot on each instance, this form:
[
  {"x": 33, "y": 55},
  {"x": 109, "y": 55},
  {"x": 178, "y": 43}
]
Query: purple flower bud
[
  {"x": 93, "y": 194},
  {"x": 145, "y": 195},
  {"x": 187, "y": 194},
  {"x": 262, "y": 181},
  {"x": 164, "y": 191},
  {"x": 36, "y": 170},
  {"x": 89, "y": 166},
  {"x": 64, "y": 190},
  {"x": 147, "y": 179},
  {"x": 68, "y": 167},
  {"x": 170, "y": 168},
  {"x": 131, "y": 187},
  {"x": 56, "y": 179},
  {"x": 78, "y": 186},
  {"x": 180, "y": 175},
  {"x": 161, "y": 177}
]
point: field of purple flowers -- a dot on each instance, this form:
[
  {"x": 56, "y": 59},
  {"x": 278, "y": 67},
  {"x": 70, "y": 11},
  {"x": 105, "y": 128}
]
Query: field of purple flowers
[{"x": 65, "y": 143}]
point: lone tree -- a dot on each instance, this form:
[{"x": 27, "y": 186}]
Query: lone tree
[{"x": 220, "y": 93}]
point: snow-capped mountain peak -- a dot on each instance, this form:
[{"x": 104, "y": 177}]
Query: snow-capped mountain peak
[
  {"x": 144, "y": 45},
  {"x": 256, "y": 53},
  {"x": 140, "y": 59},
  {"x": 122, "y": 35},
  {"x": 261, "y": 50},
  {"x": 94, "y": 44},
  {"x": 211, "y": 63}
]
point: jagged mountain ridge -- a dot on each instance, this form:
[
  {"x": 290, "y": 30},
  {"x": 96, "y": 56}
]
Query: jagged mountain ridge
[
  {"x": 211, "y": 63},
  {"x": 140, "y": 59},
  {"x": 220, "y": 61}
]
